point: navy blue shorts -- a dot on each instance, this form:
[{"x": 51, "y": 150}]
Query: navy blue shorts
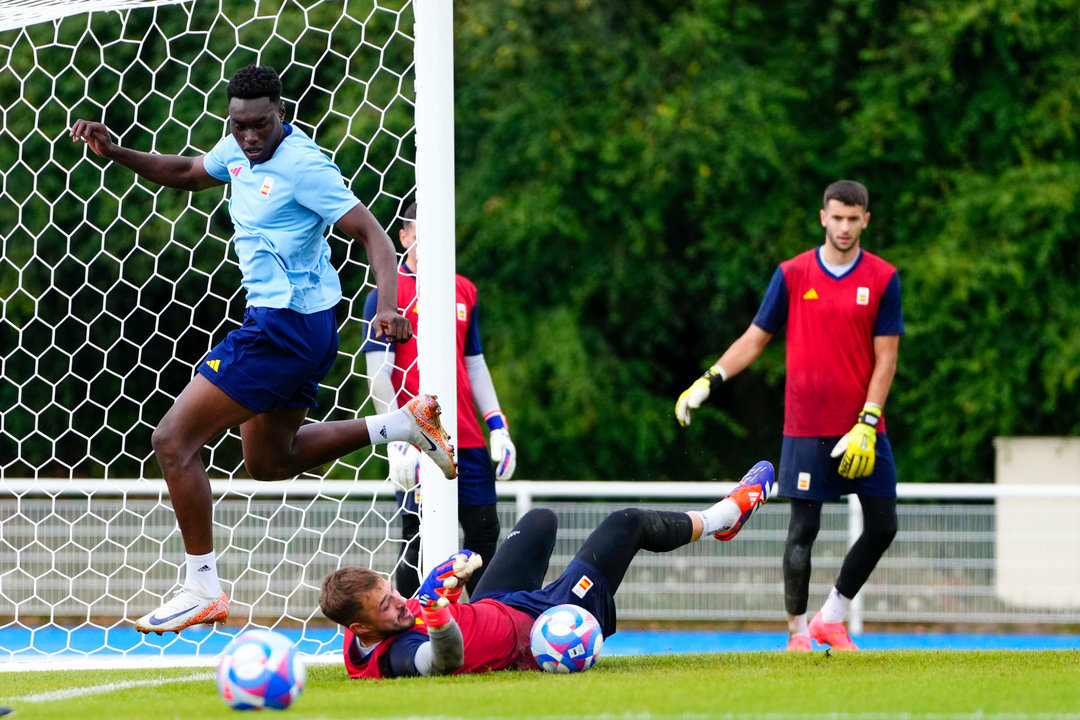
[
  {"x": 808, "y": 472},
  {"x": 276, "y": 359},
  {"x": 476, "y": 481},
  {"x": 580, "y": 584}
]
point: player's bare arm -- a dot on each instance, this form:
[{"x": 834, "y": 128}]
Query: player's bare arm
[
  {"x": 744, "y": 351},
  {"x": 886, "y": 352},
  {"x": 361, "y": 226},
  {"x": 172, "y": 171}
]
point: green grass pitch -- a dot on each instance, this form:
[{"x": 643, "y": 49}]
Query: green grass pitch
[{"x": 877, "y": 685}]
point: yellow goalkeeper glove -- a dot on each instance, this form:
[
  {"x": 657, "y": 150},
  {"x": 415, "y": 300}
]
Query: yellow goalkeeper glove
[
  {"x": 857, "y": 446},
  {"x": 693, "y": 396}
]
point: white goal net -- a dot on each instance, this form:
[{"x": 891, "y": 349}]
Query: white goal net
[{"x": 112, "y": 289}]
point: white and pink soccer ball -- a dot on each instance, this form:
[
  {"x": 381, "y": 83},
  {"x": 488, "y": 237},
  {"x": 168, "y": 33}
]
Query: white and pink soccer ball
[
  {"x": 260, "y": 669},
  {"x": 566, "y": 639}
]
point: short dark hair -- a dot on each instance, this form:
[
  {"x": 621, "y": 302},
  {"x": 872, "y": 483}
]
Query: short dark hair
[
  {"x": 848, "y": 192},
  {"x": 410, "y": 214},
  {"x": 344, "y": 594},
  {"x": 255, "y": 81}
]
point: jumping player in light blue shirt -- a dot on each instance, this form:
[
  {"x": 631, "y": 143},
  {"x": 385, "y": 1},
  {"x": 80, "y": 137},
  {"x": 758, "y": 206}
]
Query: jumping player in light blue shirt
[{"x": 263, "y": 376}]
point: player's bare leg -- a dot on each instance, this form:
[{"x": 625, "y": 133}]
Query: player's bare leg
[
  {"x": 201, "y": 412},
  {"x": 278, "y": 446}
]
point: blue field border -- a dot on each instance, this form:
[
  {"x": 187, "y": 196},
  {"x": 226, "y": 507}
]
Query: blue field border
[
  {"x": 644, "y": 642},
  {"x": 20, "y": 644}
]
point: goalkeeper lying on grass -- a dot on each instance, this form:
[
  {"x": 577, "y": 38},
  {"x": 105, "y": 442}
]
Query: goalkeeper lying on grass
[{"x": 435, "y": 634}]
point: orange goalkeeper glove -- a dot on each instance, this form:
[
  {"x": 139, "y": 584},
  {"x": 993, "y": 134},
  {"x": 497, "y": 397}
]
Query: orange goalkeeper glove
[
  {"x": 857, "y": 446},
  {"x": 444, "y": 585}
]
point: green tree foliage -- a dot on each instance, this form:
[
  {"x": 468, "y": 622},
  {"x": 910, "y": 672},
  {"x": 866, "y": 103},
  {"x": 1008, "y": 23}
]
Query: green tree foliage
[{"x": 631, "y": 173}]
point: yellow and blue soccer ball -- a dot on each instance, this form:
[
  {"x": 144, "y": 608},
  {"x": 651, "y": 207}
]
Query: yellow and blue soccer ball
[
  {"x": 566, "y": 639},
  {"x": 260, "y": 669}
]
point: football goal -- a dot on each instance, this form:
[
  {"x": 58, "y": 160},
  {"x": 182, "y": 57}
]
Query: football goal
[{"x": 112, "y": 289}]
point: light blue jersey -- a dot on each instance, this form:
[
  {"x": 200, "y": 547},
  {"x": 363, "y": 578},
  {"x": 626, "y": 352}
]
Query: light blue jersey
[{"x": 280, "y": 210}]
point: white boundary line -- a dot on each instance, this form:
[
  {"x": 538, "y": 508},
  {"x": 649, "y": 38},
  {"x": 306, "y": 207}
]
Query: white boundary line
[
  {"x": 136, "y": 662},
  {"x": 68, "y": 694}
]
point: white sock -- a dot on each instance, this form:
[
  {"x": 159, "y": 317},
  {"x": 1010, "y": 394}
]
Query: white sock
[
  {"x": 721, "y": 516},
  {"x": 202, "y": 574},
  {"x": 835, "y": 607},
  {"x": 389, "y": 427},
  {"x": 798, "y": 625}
]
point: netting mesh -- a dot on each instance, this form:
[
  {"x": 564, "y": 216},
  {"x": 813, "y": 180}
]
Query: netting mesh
[{"x": 112, "y": 289}]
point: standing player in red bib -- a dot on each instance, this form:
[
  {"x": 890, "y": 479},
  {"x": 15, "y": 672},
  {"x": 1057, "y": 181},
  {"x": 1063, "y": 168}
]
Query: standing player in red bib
[
  {"x": 395, "y": 381},
  {"x": 841, "y": 306}
]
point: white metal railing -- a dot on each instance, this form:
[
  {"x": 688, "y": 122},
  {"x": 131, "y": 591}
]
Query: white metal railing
[{"x": 946, "y": 565}]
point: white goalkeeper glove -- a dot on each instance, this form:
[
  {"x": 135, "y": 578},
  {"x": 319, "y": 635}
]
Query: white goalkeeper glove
[
  {"x": 693, "y": 396},
  {"x": 503, "y": 453},
  {"x": 857, "y": 446},
  {"x": 404, "y": 464}
]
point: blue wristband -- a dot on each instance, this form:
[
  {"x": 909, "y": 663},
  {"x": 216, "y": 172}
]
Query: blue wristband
[{"x": 495, "y": 420}]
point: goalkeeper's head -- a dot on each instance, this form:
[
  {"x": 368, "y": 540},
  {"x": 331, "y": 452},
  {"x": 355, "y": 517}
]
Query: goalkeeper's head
[
  {"x": 364, "y": 602},
  {"x": 407, "y": 236},
  {"x": 255, "y": 81}
]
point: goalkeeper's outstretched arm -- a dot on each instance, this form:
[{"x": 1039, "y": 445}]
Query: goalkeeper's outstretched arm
[{"x": 443, "y": 653}]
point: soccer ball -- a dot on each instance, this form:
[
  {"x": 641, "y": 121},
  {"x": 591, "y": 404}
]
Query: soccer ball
[
  {"x": 260, "y": 669},
  {"x": 566, "y": 639}
]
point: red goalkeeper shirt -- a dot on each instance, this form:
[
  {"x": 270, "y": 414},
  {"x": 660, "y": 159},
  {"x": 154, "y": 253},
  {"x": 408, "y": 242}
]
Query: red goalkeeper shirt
[
  {"x": 496, "y": 638},
  {"x": 831, "y": 324},
  {"x": 406, "y": 374}
]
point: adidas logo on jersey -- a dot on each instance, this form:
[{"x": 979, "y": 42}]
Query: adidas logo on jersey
[
  {"x": 810, "y": 294},
  {"x": 214, "y": 365}
]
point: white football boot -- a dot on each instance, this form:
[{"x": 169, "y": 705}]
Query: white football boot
[{"x": 186, "y": 608}]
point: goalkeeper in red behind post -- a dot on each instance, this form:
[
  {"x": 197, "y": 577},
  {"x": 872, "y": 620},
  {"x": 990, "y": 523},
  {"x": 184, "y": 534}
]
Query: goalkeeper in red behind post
[
  {"x": 394, "y": 375},
  {"x": 841, "y": 306}
]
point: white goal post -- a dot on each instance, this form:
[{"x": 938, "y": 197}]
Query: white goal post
[{"x": 112, "y": 289}]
